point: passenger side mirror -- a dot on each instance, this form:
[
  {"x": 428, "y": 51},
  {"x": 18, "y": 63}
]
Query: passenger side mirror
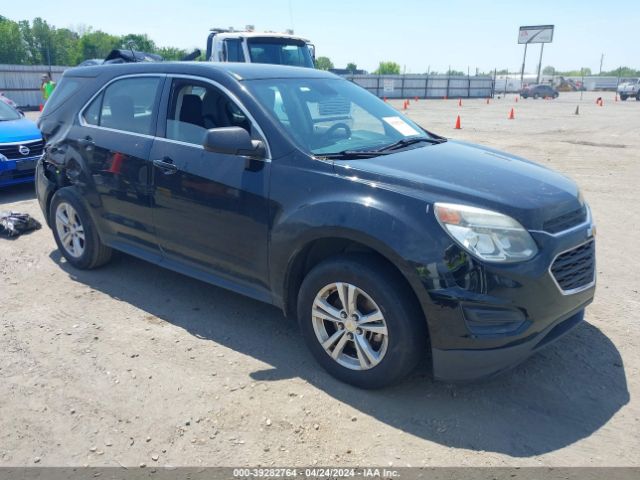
[{"x": 233, "y": 141}]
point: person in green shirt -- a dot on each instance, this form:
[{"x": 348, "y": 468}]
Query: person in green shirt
[{"x": 47, "y": 87}]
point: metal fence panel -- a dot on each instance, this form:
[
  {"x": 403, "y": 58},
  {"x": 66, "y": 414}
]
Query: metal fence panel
[
  {"x": 21, "y": 83},
  {"x": 425, "y": 86}
]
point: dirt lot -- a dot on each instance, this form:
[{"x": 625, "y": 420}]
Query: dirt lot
[{"x": 133, "y": 364}]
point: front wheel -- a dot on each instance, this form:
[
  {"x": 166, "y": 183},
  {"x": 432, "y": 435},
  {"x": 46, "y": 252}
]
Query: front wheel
[
  {"x": 74, "y": 231},
  {"x": 360, "y": 322},
  {"x": 623, "y": 97}
]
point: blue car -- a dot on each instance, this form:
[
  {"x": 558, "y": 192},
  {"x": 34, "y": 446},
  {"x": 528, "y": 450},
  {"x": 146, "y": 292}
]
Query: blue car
[{"x": 20, "y": 147}]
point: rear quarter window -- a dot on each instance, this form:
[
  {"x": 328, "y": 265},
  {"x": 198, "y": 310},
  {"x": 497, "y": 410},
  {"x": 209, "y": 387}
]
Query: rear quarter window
[{"x": 67, "y": 87}]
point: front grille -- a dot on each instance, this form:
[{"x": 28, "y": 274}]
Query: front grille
[
  {"x": 12, "y": 152},
  {"x": 566, "y": 221},
  {"x": 576, "y": 268}
]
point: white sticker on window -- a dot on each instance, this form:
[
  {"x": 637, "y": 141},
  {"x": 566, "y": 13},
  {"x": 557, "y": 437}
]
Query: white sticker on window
[{"x": 401, "y": 126}]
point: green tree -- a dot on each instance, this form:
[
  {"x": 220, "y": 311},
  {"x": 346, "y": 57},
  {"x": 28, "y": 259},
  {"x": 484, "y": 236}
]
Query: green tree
[
  {"x": 323, "y": 63},
  {"x": 352, "y": 67},
  {"x": 140, "y": 42},
  {"x": 548, "y": 70},
  {"x": 623, "y": 72},
  {"x": 12, "y": 49},
  {"x": 97, "y": 45},
  {"x": 66, "y": 47},
  {"x": 171, "y": 53},
  {"x": 388, "y": 68}
]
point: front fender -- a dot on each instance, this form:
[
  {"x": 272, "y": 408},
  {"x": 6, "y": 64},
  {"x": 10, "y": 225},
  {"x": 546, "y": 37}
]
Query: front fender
[{"x": 396, "y": 228}]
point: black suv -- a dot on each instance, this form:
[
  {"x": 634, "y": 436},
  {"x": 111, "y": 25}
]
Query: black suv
[
  {"x": 539, "y": 91},
  {"x": 387, "y": 242}
]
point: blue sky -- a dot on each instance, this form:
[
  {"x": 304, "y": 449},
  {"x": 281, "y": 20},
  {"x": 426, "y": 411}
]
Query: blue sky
[{"x": 416, "y": 34}]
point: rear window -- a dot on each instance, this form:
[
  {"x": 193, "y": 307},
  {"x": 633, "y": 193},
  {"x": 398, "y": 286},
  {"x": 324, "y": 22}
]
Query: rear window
[{"x": 67, "y": 87}]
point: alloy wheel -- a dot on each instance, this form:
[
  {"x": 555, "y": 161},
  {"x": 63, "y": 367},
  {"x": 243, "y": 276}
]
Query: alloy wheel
[
  {"x": 350, "y": 326},
  {"x": 70, "y": 230}
]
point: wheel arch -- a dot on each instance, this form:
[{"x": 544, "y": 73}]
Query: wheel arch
[{"x": 320, "y": 248}]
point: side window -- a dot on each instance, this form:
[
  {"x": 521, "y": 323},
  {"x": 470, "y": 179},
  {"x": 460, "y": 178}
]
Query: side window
[
  {"x": 127, "y": 104},
  {"x": 234, "y": 50},
  {"x": 196, "y": 107},
  {"x": 91, "y": 114}
]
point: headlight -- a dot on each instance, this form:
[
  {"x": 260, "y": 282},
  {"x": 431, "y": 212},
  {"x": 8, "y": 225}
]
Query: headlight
[{"x": 488, "y": 235}]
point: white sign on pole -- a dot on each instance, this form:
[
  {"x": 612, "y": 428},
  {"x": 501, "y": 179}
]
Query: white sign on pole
[
  {"x": 536, "y": 34},
  {"x": 388, "y": 85}
]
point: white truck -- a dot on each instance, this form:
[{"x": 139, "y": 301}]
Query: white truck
[
  {"x": 629, "y": 89},
  {"x": 249, "y": 46}
]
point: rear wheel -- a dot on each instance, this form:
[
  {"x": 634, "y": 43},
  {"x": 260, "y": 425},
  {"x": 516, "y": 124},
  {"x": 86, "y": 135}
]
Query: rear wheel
[
  {"x": 623, "y": 97},
  {"x": 359, "y": 323},
  {"x": 74, "y": 232}
]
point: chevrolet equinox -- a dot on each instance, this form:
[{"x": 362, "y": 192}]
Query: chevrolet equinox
[{"x": 300, "y": 189}]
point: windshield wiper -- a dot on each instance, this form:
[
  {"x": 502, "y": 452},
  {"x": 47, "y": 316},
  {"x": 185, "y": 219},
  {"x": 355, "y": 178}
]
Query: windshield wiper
[
  {"x": 351, "y": 154},
  {"x": 405, "y": 142}
]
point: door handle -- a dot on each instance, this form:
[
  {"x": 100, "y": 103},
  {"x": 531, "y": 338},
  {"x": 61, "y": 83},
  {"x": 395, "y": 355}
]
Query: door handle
[
  {"x": 166, "y": 165},
  {"x": 87, "y": 143}
]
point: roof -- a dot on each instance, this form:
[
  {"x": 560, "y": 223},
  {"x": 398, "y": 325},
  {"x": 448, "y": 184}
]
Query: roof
[
  {"x": 240, "y": 71},
  {"x": 260, "y": 34}
]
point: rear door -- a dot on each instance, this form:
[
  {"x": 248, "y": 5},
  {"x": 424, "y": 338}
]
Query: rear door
[
  {"x": 115, "y": 137},
  {"x": 210, "y": 210}
]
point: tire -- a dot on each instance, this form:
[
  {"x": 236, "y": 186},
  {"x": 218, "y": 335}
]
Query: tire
[
  {"x": 623, "y": 97},
  {"x": 536, "y": 96},
  {"x": 74, "y": 231},
  {"x": 638, "y": 96},
  {"x": 379, "y": 291},
  {"x": 556, "y": 95}
]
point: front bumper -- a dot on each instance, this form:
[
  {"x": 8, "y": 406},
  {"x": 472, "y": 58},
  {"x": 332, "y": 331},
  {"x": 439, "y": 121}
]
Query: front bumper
[
  {"x": 486, "y": 318},
  {"x": 465, "y": 365},
  {"x": 13, "y": 172}
]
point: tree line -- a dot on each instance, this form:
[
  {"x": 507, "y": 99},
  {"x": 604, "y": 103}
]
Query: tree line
[{"x": 39, "y": 43}]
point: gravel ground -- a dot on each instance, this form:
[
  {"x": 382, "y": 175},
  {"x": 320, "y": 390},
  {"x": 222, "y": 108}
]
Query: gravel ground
[{"x": 132, "y": 364}]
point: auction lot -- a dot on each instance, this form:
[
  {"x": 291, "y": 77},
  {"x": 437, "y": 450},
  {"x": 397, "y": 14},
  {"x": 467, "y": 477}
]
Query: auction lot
[{"x": 131, "y": 364}]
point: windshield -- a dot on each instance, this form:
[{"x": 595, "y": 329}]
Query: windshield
[
  {"x": 280, "y": 51},
  {"x": 330, "y": 116},
  {"x": 8, "y": 113}
]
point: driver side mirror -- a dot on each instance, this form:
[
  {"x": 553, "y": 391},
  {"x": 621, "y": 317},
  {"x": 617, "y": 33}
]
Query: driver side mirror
[{"x": 233, "y": 141}]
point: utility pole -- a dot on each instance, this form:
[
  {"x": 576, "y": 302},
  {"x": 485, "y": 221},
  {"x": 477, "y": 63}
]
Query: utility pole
[
  {"x": 540, "y": 62},
  {"x": 522, "y": 70},
  {"x": 601, "y": 60}
]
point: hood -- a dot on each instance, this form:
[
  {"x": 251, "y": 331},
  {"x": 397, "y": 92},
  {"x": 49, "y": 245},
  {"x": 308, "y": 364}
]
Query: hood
[
  {"x": 18, "y": 131},
  {"x": 473, "y": 175}
]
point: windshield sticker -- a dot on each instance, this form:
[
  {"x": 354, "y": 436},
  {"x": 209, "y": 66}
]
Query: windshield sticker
[{"x": 401, "y": 126}]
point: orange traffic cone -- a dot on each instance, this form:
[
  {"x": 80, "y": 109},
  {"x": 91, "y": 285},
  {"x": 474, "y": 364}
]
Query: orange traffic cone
[
  {"x": 404, "y": 105},
  {"x": 41, "y": 107},
  {"x": 384, "y": 99},
  {"x": 512, "y": 114},
  {"x": 616, "y": 97},
  {"x": 459, "y": 102},
  {"x": 516, "y": 99},
  {"x": 487, "y": 100},
  {"x": 458, "y": 126}
]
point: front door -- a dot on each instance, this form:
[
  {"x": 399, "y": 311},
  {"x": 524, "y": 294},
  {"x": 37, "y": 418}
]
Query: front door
[
  {"x": 210, "y": 210},
  {"x": 115, "y": 139}
]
